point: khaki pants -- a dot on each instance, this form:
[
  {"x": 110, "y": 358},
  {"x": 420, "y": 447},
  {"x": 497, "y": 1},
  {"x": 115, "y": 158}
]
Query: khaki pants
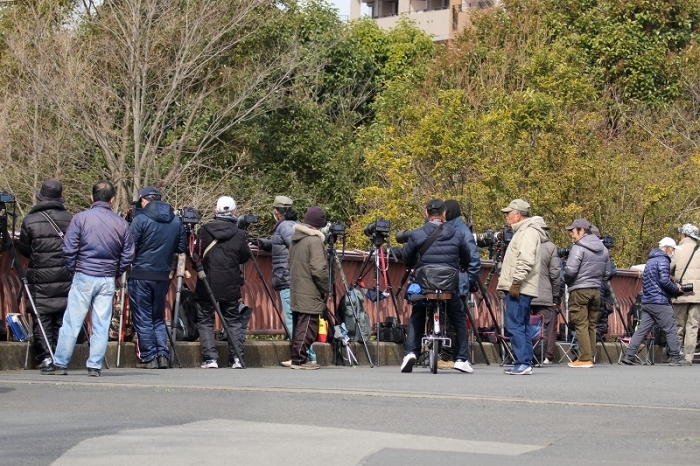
[
  {"x": 687, "y": 316},
  {"x": 584, "y": 306}
]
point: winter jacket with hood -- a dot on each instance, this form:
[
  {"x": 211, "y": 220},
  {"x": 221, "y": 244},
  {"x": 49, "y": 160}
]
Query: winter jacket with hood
[
  {"x": 522, "y": 259},
  {"x": 49, "y": 279},
  {"x": 468, "y": 280},
  {"x": 158, "y": 234},
  {"x": 550, "y": 270},
  {"x": 692, "y": 274},
  {"x": 657, "y": 287},
  {"x": 587, "y": 264},
  {"x": 98, "y": 242},
  {"x": 279, "y": 246},
  {"x": 448, "y": 249},
  {"x": 308, "y": 269},
  {"x": 222, "y": 262}
]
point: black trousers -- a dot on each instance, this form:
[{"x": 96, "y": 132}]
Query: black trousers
[
  {"x": 236, "y": 317},
  {"x": 305, "y": 333},
  {"x": 52, "y": 324}
]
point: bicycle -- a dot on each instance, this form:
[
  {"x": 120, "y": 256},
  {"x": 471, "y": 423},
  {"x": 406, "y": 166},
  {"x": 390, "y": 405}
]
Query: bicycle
[{"x": 435, "y": 338}]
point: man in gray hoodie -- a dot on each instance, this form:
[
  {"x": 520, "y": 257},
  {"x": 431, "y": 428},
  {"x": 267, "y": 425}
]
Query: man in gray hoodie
[{"x": 584, "y": 271}]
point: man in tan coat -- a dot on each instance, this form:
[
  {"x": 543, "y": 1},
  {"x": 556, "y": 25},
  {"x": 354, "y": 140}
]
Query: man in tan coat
[
  {"x": 519, "y": 280},
  {"x": 308, "y": 269},
  {"x": 685, "y": 268}
]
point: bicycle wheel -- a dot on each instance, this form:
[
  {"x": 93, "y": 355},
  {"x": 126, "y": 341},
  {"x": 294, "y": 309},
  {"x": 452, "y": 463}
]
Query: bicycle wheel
[{"x": 435, "y": 356}]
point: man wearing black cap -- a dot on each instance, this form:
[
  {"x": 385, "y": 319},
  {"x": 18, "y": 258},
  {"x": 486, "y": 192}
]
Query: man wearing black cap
[
  {"x": 585, "y": 268},
  {"x": 41, "y": 240},
  {"x": 158, "y": 234},
  {"x": 448, "y": 248},
  {"x": 308, "y": 269}
]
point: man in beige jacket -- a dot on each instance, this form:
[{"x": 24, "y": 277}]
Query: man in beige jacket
[
  {"x": 519, "y": 280},
  {"x": 685, "y": 268}
]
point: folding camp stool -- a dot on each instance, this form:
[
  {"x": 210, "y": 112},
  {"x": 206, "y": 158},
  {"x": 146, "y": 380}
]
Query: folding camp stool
[
  {"x": 645, "y": 356},
  {"x": 569, "y": 349}
]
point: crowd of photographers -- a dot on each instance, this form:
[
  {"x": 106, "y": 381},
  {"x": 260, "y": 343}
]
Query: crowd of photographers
[{"x": 77, "y": 262}]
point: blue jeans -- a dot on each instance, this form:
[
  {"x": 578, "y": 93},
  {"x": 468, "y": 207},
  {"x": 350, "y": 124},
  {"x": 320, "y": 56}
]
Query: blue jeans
[
  {"x": 517, "y": 322},
  {"x": 85, "y": 292},
  {"x": 147, "y": 304},
  {"x": 287, "y": 307}
]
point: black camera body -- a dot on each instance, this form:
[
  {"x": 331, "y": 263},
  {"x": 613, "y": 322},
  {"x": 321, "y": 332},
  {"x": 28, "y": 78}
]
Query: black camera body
[
  {"x": 608, "y": 241},
  {"x": 378, "y": 231},
  {"x": 6, "y": 198},
  {"x": 189, "y": 215},
  {"x": 563, "y": 253},
  {"x": 246, "y": 220},
  {"x": 495, "y": 241},
  {"x": 332, "y": 231}
]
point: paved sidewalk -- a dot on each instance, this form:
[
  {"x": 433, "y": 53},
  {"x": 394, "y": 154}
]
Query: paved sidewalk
[{"x": 352, "y": 416}]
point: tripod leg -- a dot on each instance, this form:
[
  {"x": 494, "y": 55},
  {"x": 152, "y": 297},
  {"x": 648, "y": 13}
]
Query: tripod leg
[
  {"x": 120, "y": 335},
  {"x": 175, "y": 317},
  {"x": 475, "y": 332}
]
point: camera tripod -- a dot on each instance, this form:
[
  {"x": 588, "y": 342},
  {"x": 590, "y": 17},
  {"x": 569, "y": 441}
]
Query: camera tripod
[
  {"x": 377, "y": 260},
  {"x": 8, "y": 242},
  {"x": 352, "y": 300}
]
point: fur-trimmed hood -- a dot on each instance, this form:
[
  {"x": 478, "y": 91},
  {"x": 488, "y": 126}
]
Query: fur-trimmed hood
[{"x": 302, "y": 230}]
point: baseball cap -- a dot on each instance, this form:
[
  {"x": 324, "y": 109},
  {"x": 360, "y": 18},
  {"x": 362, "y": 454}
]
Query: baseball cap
[
  {"x": 580, "y": 223},
  {"x": 435, "y": 206},
  {"x": 282, "y": 201},
  {"x": 517, "y": 204},
  {"x": 148, "y": 191},
  {"x": 225, "y": 204},
  {"x": 688, "y": 229},
  {"x": 595, "y": 231},
  {"x": 667, "y": 243}
]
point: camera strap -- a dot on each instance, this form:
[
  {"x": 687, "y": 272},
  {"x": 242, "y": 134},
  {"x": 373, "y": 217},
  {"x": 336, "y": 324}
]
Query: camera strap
[
  {"x": 211, "y": 245},
  {"x": 53, "y": 224},
  {"x": 680, "y": 280},
  {"x": 428, "y": 242}
]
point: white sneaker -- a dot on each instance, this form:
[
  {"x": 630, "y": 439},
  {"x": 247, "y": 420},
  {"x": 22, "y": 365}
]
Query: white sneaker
[
  {"x": 287, "y": 363},
  {"x": 210, "y": 364},
  {"x": 45, "y": 363},
  {"x": 546, "y": 362},
  {"x": 463, "y": 366},
  {"x": 408, "y": 361},
  {"x": 236, "y": 364}
]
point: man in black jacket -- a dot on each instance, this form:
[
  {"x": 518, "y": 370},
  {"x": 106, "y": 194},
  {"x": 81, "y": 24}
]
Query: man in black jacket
[
  {"x": 222, "y": 248},
  {"x": 41, "y": 240},
  {"x": 448, "y": 249},
  {"x": 158, "y": 234}
]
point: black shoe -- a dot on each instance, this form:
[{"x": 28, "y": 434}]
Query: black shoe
[
  {"x": 675, "y": 362},
  {"x": 152, "y": 364},
  {"x": 53, "y": 369},
  {"x": 162, "y": 362},
  {"x": 629, "y": 361},
  {"x": 92, "y": 372}
]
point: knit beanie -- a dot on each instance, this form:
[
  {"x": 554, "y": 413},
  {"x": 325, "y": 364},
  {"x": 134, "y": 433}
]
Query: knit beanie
[{"x": 315, "y": 216}]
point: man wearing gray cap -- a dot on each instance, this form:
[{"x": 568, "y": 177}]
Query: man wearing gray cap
[
  {"x": 519, "y": 280},
  {"x": 685, "y": 267},
  {"x": 585, "y": 269},
  {"x": 278, "y": 245}
]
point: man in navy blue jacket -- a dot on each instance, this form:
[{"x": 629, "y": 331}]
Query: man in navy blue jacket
[
  {"x": 97, "y": 248},
  {"x": 449, "y": 249},
  {"x": 158, "y": 234},
  {"x": 657, "y": 291}
]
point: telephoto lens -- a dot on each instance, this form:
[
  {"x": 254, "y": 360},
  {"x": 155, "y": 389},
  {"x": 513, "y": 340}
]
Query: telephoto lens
[
  {"x": 402, "y": 236},
  {"x": 686, "y": 287}
]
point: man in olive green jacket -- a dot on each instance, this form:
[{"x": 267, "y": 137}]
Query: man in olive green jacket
[
  {"x": 308, "y": 269},
  {"x": 519, "y": 280},
  {"x": 685, "y": 268}
]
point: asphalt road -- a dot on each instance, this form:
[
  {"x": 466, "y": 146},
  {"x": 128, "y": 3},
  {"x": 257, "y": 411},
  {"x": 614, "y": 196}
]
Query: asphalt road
[{"x": 353, "y": 416}]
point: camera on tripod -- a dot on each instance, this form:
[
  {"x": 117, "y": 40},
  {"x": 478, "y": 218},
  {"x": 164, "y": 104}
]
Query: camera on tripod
[
  {"x": 246, "y": 220},
  {"x": 495, "y": 241},
  {"x": 563, "y": 253},
  {"x": 332, "y": 231},
  {"x": 6, "y": 198},
  {"x": 378, "y": 231},
  {"x": 608, "y": 241},
  {"x": 189, "y": 215}
]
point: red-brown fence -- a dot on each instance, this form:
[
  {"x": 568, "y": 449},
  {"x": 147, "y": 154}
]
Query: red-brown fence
[{"x": 626, "y": 285}]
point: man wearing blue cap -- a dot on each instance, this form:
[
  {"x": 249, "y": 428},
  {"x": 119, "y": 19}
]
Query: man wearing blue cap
[{"x": 158, "y": 234}]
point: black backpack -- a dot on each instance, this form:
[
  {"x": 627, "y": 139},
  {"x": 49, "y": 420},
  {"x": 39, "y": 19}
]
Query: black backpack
[{"x": 186, "y": 329}]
